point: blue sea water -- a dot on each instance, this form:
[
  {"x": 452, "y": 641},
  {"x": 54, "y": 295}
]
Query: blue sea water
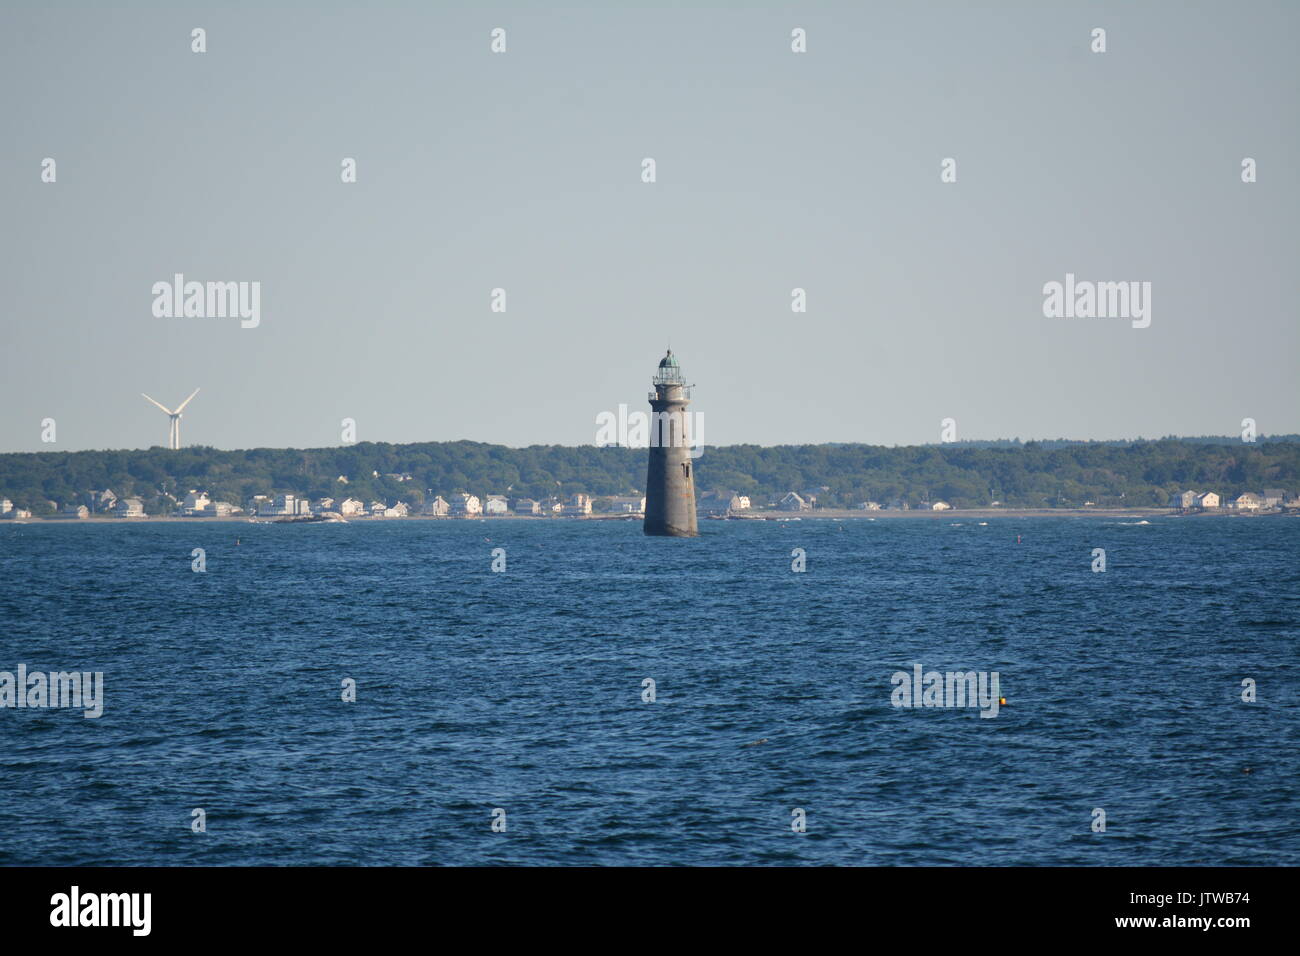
[{"x": 522, "y": 690}]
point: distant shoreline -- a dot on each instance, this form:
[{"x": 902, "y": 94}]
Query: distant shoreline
[{"x": 818, "y": 514}]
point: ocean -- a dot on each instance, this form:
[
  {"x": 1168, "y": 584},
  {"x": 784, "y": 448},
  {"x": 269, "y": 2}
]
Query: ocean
[{"x": 518, "y": 697}]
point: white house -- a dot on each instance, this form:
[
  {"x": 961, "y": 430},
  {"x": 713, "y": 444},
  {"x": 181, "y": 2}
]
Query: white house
[
  {"x": 869, "y": 506},
  {"x": 466, "y": 504},
  {"x": 1273, "y": 497},
  {"x": 277, "y": 507},
  {"x": 496, "y": 505},
  {"x": 579, "y": 504},
  {"x": 399, "y": 510},
  {"x": 941, "y": 506},
  {"x": 349, "y": 507},
  {"x": 438, "y": 507},
  {"x": 627, "y": 504},
  {"x": 1183, "y": 501},
  {"x": 1248, "y": 502},
  {"x": 527, "y": 506},
  {"x": 129, "y": 508},
  {"x": 1207, "y": 500},
  {"x": 6, "y": 506},
  {"x": 196, "y": 502},
  {"x": 74, "y": 511}
]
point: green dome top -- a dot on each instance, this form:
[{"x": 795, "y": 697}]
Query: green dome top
[{"x": 668, "y": 361}]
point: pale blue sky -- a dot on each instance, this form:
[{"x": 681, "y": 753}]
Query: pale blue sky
[{"x": 522, "y": 171}]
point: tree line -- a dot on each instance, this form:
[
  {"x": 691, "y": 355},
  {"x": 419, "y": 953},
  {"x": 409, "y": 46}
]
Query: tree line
[{"x": 1029, "y": 474}]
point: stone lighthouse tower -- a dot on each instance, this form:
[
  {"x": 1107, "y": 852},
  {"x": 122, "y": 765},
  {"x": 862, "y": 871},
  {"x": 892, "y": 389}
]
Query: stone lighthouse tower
[{"x": 670, "y": 479}]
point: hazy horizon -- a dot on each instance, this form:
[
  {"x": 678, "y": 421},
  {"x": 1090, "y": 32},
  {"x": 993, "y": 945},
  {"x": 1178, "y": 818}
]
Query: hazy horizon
[{"x": 522, "y": 170}]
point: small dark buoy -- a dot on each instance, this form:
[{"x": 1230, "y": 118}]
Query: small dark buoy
[{"x": 1247, "y": 770}]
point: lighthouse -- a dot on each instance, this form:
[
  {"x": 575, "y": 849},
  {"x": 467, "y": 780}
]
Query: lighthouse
[{"x": 670, "y": 482}]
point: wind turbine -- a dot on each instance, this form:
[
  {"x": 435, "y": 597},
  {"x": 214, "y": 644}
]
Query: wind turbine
[{"x": 174, "y": 431}]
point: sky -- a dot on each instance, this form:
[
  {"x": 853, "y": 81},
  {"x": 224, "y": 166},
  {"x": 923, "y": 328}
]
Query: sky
[{"x": 523, "y": 171}]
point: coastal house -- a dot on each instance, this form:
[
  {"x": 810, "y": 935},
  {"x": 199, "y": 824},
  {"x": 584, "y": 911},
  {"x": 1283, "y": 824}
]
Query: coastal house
[
  {"x": 437, "y": 508},
  {"x": 16, "y": 514},
  {"x": 6, "y": 506},
  {"x": 527, "y": 506},
  {"x": 1249, "y": 501},
  {"x": 74, "y": 511},
  {"x": 715, "y": 502},
  {"x": 102, "y": 501},
  {"x": 322, "y": 505},
  {"x": 579, "y": 504},
  {"x": 496, "y": 505},
  {"x": 1183, "y": 501},
  {"x": 350, "y": 507},
  {"x": 399, "y": 510},
  {"x": 627, "y": 504},
  {"x": 869, "y": 506},
  {"x": 129, "y": 508},
  {"x": 221, "y": 509},
  {"x": 256, "y": 503},
  {"x": 719, "y": 503},
  {"x": 466, "y": 505},
  {"x": 196, "y": 502},
  {"x": 1207, "y": 501},
  {"x": 1274, "y": 497},
  {"x": 281, "y": 506},
  {"x": 377, "y": 508},
  {"x": 793, "y": 502},
  {"x": 941, "y": 506}
]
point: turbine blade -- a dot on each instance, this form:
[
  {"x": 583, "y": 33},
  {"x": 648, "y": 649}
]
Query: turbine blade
[
  {"x": 188, "y": 400},
  {"x": 159, "y": 404}
]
